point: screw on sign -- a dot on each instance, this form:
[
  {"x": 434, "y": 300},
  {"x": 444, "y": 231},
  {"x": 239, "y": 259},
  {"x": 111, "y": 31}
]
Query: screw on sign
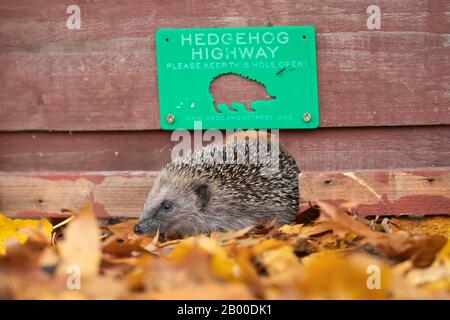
[
  {"x": 306, "y": 117},
  {"x": 170, "y": 118},
  {"x": 230, "y": 87}
]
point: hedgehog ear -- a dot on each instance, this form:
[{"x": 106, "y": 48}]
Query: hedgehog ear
[{"x": 202, "y": 192}]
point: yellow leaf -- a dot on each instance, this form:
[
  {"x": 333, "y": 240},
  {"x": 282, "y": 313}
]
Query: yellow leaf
[
  {"x": 81, "y": 245},
  {"x": 269, "y": 244},
  {"x": 329, "y": 275},
  {"x": 291, "y": 229},
  {"x": 281, "y": 264},
  {"x": 220, "y": 264},
  {"x": 11, "y": 228},
  {"x": 427, "y": 225},
  {"x": 444, "y": 254},
  {"x": 214, "y": 291}
]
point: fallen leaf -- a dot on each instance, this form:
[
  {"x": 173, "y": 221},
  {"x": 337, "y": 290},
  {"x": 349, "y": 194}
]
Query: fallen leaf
[
  {"x": 438, "y": 225},
  {"x": 336, "y": 256},
  {"x": 421, "y": 249},
  {"x": 308, "y": 215},
  {"x": 14, "y": 228},
  {"x": 280, "y": 263},
  {"x": 153, "y": 245},
  {"x": 213, "y": 291},
  {"x": 220, "y": 264},
  {"x": 80, "y": 247},
  {"x": 231, "y": 235},
  {"x": 118, "y": 246},
  {"x": 124, "y": 229},
  {"x": 330, "y": 275}
]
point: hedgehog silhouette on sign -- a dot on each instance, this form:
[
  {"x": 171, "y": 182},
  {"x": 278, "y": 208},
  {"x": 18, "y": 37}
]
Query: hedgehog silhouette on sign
[{"x": 228, "y": 87}]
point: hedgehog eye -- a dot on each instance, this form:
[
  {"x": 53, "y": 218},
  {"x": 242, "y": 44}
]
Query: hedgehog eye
[{"x": 167, "y": 206}]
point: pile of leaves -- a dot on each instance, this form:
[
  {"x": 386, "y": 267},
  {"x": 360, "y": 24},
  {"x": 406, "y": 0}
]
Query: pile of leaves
[{"x": 329, "y": 253}]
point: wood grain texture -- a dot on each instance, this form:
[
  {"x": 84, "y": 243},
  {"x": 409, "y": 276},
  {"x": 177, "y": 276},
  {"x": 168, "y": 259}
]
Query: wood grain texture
[
  {"x": 122, "y": 194},
  {"x": 51, "y": 195},
  {"x": 317, "y": 150},
  {"x": 103, "y": 77},
  {"x": 423, "y": 191}
]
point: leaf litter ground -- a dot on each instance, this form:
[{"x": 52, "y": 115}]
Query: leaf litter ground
[{"x": 329, "y": 253}]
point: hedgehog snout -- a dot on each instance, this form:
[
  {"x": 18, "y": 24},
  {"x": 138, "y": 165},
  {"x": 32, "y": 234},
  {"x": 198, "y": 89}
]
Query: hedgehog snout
[
  {"x": 147, "y": 223},
  {"x": 146, "y": 226},
  {"x": 138, "y": 229}
]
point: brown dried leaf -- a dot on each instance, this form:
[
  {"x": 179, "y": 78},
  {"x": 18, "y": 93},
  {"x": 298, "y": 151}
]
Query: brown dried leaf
[
  {"x": 308, "y": 215},
  {"x": 81, "y": 244},
  {"x": 118, "y": 246},
  {"x": 428, "y": 225},
  {"x": 231, "y": 235},
  {"x": 124, "y": 229},
  {"x": 420, "y": 249}
]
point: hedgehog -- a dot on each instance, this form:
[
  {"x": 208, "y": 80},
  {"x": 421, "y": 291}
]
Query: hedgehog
[
  {"x": 227, "y": 88},
  {"x": 222, "y": 187}
]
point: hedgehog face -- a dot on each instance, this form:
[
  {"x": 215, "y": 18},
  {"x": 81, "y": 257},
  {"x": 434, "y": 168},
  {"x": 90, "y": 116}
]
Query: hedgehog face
[{"x": 174, "y": 208}]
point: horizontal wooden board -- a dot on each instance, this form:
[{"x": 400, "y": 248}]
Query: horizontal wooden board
[
  {"x": 103, "y": 76},
  {"x": 318, "y": 150},
  {"x": 416, "y": 192},
  {"x": 122, "y": 194},
  {"x": 40, "y": 194}
]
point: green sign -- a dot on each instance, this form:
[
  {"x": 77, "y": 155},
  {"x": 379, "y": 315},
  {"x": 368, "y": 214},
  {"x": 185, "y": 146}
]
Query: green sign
[{"x": 238, "y": 78}]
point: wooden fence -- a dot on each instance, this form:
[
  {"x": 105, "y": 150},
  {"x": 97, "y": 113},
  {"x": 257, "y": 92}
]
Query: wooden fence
[{"x": 74, "y": 103}]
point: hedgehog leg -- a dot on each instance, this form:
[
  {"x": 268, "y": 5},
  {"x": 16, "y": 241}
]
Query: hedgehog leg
[
  {"x": 216, "y": 106},
  {"x": 247, "y": 107},
  {"x": 231, "y": 107}
]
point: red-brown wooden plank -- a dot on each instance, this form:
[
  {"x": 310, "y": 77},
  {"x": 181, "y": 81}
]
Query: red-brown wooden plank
[
  {"x": 122, "y": 194},
  {"x": 318, "y": 150},
  {"x": 395, "y": 192},
  {"x": 104, "y": 76},
  {"x": 55, "y": 194}
]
